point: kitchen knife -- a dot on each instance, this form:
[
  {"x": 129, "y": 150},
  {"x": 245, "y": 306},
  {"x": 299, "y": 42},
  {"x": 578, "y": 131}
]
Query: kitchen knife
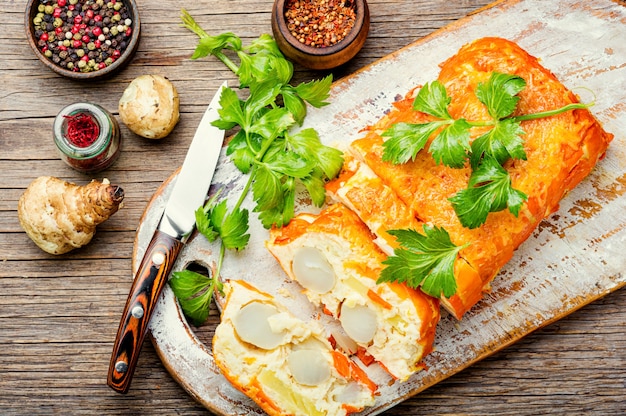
[{"x": 178, "y": 221}]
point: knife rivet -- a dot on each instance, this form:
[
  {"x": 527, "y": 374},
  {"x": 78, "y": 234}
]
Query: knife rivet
[
  {"x": 137, "y": 312},
  {"x": 121, "y": 367},
  {"x": 158, "y": 259}
]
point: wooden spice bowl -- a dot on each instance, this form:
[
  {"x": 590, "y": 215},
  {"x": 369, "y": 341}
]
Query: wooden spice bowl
[
  {"x": 315, "y": 57},
  {"x": 125, "y": 57}
]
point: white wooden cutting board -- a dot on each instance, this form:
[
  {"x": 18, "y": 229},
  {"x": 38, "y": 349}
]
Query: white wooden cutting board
[{"x": 573, "y": 258}]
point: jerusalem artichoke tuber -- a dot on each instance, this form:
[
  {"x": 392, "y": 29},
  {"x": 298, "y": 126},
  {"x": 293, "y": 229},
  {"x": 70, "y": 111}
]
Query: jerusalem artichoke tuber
[
  {"x": 60, "y": 216},
  {"x": 149, "y": 106}
]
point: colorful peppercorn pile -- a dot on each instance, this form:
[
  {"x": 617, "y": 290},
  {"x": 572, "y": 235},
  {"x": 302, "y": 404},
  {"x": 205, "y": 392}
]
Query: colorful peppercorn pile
[
  {"x": 82, "y": 35},
  {"x": 320, "y": 23}
]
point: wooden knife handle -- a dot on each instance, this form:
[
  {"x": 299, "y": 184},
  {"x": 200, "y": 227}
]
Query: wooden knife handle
[{"x": 148, "y": 284}]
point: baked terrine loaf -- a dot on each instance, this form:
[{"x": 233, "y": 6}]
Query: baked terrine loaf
[
  {"x": 333, "y": 256},
  {"x": 560, "y": 150},
  {"x": 358, "y": 188},
  {"x": 286, "y": 365}
]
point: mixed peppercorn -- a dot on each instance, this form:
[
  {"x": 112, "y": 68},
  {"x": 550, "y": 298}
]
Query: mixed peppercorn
[
  {"x": 320, "y": 23},
  {"x": 82, "y": 35}
]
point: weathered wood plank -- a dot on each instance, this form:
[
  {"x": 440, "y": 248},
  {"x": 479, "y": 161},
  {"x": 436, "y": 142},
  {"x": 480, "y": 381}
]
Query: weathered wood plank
[{"x": 59, "y": 314}]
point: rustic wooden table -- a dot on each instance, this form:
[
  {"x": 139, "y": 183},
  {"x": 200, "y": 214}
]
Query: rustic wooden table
[{"x": 59, "y": 315}]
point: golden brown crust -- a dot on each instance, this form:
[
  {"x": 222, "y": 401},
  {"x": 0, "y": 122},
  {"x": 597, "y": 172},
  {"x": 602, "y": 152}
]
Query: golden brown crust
[
  {"x": 380, "y": 208},
  {"x": 561, "y": 150},
  {"x": 336, "y": 219}
]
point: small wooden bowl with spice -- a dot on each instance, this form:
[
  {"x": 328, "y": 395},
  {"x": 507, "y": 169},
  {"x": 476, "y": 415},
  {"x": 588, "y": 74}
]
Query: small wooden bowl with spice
[
  {"x": 83, "y": 39},
  {"x": 320, "y": 34}
]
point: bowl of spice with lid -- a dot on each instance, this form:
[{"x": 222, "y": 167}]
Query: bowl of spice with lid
[
  {"x": 83, "y": 39},
  {"x": 320, "y": 34}
]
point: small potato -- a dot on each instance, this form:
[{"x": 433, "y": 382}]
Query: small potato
[{"x": 149, "y": 106}]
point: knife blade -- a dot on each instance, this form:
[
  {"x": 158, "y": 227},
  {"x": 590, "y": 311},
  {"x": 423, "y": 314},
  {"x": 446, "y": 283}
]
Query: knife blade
[{"x": 177, "y": 223}]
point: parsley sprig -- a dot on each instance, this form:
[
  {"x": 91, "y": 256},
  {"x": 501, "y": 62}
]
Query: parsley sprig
[
  {"x": 427, "y": 259},
  {"x": 274, "y": 158},
  {"x": 194, "y": 292},
  {"x": 489, "y": 188}
]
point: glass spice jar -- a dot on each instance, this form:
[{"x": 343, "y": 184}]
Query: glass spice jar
[{"x": 87, "y": 137}]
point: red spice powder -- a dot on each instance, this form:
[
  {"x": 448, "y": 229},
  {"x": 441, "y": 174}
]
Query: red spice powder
[{"x": 82, "y": 129}]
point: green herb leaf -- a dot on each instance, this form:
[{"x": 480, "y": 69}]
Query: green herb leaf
[
  {"x": 232, "y": 226},
  {"x": 452, "y": 144},
  {"x": 283, "y": 211},
  {"x": 204, "y": 225},
  {"x": 315, "y": 186},
  {"x": 294, "y": 104},
  {"x": 425, "y": 260},
  {"x": 203, "y": 219},
  {"x": 194, "y": 292},
  {"x": 288, "y": 163},
  {"x": 242, "y": 151},
  {"x": 279, "y": 68},
  {"x": 489, "y": 190},
  {"x": 499, "y": 94},
  {"x": 307, "y": 144},
  {"x": 231, "y": 110},
  {"x": 261, "y": 96},
  {"x": 433, "y": 99},
  {"x": 262, "y": 67},
  {"x": 266, "y": 188},
  {"x": 315, "y": 92},
  {"x": 210, "y": 45},
  {"x": 262, "y": 61},
  {"x": 272, "y": 123},
  {"x": 265, "y": 44},
  {"x": 250, "y": 67},
  {"x": 405, "y": 140},
  {"x": 502, "y": 142}
]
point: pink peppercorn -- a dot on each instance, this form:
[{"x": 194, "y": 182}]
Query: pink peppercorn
[
  {"x": 84, "y": 27},
  {"x": 102, "y": 65}
]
